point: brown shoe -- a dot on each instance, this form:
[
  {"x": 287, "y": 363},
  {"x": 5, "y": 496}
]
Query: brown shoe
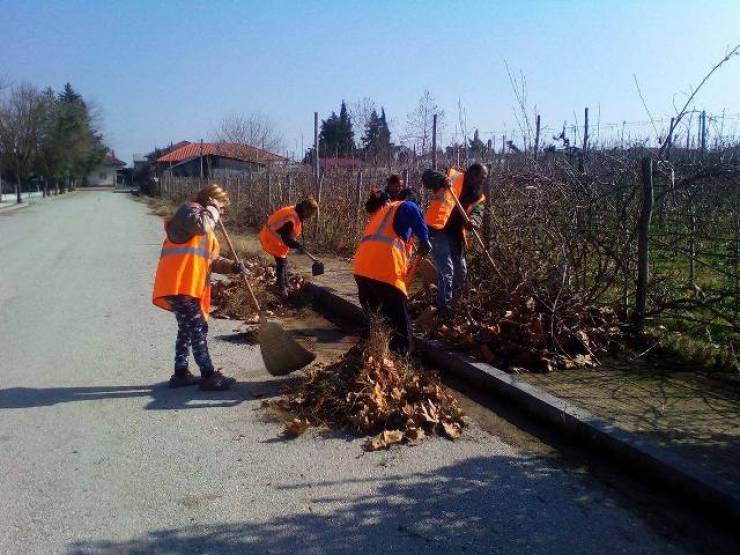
[
  {"x": 216, "y": 381},
  {"x": 183, "y": 379}
]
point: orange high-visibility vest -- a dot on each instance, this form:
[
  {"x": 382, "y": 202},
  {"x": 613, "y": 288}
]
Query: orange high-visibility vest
[
  {"x": 185, "y": 269},
  {"x": 442, "y": 204},
  {"x": 382, "y": 255},
  {"x": 270, "y": 238}
]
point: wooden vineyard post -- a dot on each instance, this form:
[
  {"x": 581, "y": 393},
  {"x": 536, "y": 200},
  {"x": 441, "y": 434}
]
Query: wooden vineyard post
[
  {"x": 316, "y": 169},
  {"x": 643, "y": 241},
  {"x": 487, "y": 209},
  {"x": 434, "y": 142},
  {"x": 537, "y": 137},
  {"x": 238, "y": 198},
  {"x": 358, "y": 196},
  {"x": 269, "y": 193}
]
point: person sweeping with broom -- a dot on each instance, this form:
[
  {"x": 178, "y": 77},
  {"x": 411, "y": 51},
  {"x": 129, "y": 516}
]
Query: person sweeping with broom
[
  {"x": 381, "y": 266},
  {"x": 182, "y": 283},
  {"x": 280, "y": 235},
  {"x": 448, "y": 226}
]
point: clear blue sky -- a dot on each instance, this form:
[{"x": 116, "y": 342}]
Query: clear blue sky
[{"x": 166, "y": 71}]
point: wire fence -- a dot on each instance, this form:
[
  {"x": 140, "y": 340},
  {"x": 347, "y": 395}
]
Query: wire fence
[{"x": 566, "y": 223}]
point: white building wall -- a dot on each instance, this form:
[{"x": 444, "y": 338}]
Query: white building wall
[{"x": 102, "y": 176}]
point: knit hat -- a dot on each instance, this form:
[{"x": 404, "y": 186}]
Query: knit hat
[{"x": 433, "y": 179}]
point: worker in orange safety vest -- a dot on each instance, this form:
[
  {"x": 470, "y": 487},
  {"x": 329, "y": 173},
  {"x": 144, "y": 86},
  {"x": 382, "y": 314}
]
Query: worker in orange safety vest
[
  {"x": 280, "y": 235},
  {"x": 381, "y": 265},
  {"x": 190, "y": 253},
  {"x": 448, "y": 228}
]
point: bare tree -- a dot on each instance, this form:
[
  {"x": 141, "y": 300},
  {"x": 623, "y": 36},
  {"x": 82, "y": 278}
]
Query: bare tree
[
  {"x": 251, "y": 129},
  {"x": 521, "y": 113},
  {"x": 419, "y": 122},
  {"x": 21, "y": 123},
  {"x": 359, "y": 112}
]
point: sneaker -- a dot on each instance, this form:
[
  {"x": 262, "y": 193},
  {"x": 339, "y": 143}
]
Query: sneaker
[
  {"x": 183, "y": 379},
  {"x": 216, "y": 381}
]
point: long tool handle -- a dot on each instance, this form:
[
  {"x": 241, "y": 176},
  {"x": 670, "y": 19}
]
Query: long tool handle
[
  {"x": 236, "y": 258},
  {"x": 312, "y": 257},
  {"x": 477, "y": 235},
  {"x": 411, "y": 271}
]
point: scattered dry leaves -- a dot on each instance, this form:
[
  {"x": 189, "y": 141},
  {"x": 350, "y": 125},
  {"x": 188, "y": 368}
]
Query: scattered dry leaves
[{"x": 371, "y": 391}]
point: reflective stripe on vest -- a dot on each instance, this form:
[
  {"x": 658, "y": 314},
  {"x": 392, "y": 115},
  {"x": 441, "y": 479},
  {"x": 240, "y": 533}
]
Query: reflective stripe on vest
[
  {"x": 272, "y": 242},
  {"x": 382, "y": 254},
  {"x": 185, "y": 269},
  {"x": 201, "y": 250},
  {"x": 379, "y": 235},
  {"x": 442, "y": 204}
]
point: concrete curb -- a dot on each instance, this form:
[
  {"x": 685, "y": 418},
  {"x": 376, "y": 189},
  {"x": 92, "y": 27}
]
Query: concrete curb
[
  {"x": 636, "y": 455},
  {"x": 13, "y": 207}
]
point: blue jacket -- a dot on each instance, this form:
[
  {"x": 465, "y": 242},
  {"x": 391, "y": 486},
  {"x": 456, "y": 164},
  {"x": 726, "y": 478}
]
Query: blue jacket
[{"x": 408, "y": 220}]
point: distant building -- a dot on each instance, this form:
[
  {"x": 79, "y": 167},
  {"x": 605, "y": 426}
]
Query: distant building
[
  {"x": 107, "y": 173},
  {"x": 215, "y": 160}
]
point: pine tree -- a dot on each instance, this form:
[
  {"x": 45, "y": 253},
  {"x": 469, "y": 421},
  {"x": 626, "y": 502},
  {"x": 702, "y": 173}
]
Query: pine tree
[
  {"x": 346, "y": 134},
  {"x": 376, "y": 139},
  {"x": 337, "y": 137}
]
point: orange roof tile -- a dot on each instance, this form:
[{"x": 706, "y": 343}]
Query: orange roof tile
[{"x": 227, "y": 150}]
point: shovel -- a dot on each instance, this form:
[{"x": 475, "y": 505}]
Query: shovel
[
  {"x": 317, "y": 268},
  {"x": 281, "y": 353}
]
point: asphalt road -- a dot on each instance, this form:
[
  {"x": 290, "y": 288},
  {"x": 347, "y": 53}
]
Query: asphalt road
[{"x": 98, "y": 455}]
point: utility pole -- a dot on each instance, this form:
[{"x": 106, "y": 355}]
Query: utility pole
[
  {"x": 537, "y": 137},
  {"x": 703, "y": 133},
  {"x": 585, "y": 131},
  {"x": 434, "y": 142}
]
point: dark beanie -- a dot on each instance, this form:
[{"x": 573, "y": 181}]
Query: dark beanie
[{"x": 432, "y": 179}]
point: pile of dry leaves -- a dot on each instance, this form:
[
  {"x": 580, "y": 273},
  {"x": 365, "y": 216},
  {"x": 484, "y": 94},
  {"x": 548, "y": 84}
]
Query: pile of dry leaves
[
  {"x": 230, "y": 298},
  {"x": 516, "y": 331},
  {"x": 371, "y": 391}
]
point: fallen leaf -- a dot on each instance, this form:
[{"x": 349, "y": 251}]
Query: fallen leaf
[
  {"x": 295, "y": 428},
  {"x": 384, "y": 439},
  {"x": 452, "y": 431}
]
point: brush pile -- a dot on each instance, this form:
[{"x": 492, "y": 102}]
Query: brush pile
[
  {"x": 230, "y": 297},
  {"x": 371, "y": 391},
  {"x": 516, "y": 331}
]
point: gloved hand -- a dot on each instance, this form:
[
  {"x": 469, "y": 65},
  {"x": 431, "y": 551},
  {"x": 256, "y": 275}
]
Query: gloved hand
[
  {"x": 424, "y": 249},
  {"x": 469, "y": 224},
  {"x": 238, "y": 268},
  {"x": 218, "y": 205}
]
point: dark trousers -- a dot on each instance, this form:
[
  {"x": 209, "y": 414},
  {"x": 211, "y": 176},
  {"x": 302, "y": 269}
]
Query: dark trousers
[
  {"x": 392, "y": 304},
  {"x": 281, "y": 272},
  {"x": 192, "y": 332}
]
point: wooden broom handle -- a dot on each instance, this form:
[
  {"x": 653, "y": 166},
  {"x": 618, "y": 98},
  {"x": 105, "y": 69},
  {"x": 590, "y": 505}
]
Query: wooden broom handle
[
  {"x": 236, "y": 258},
  {"x": 477, "y": 236}
]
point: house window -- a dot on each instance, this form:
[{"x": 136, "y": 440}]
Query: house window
[{"x": 102, "y": 175}]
